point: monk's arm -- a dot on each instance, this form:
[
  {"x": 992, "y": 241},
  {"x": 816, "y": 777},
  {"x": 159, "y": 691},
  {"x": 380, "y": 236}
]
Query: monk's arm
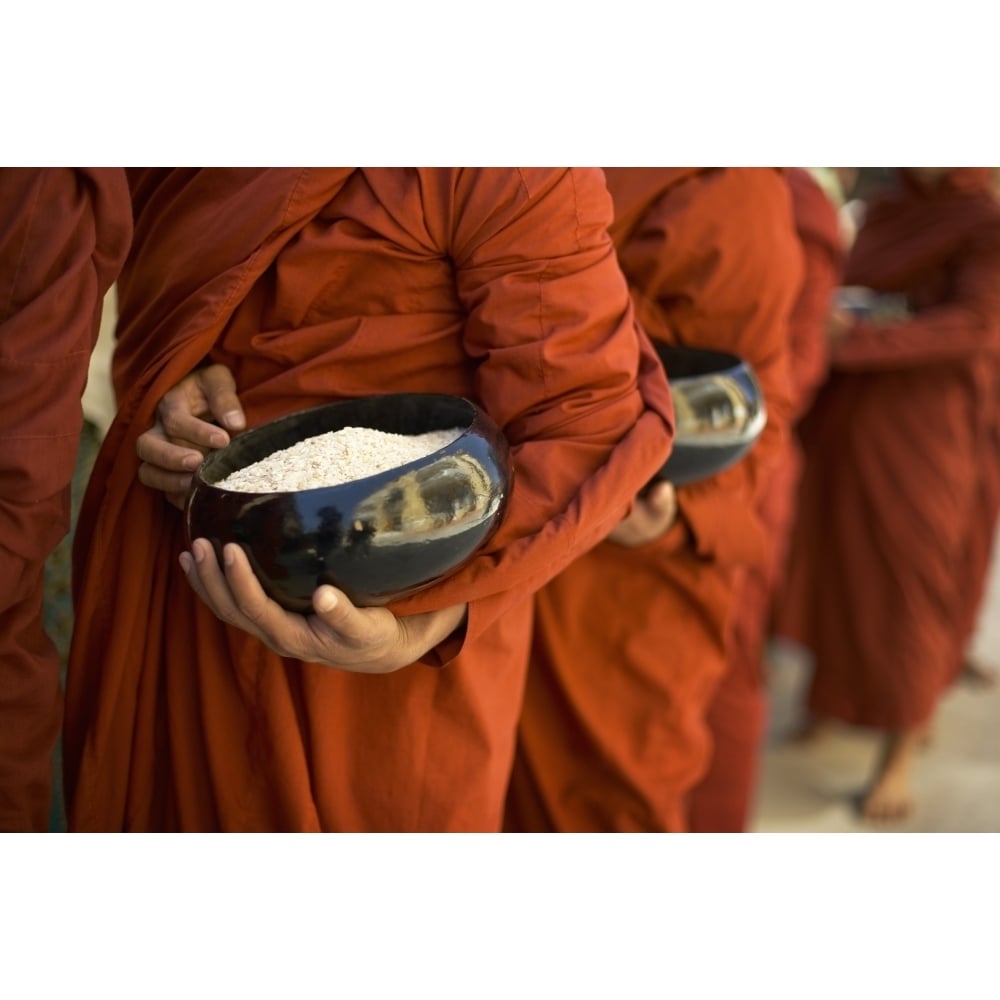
[
  {"x": 560, "y": 367},
  {"x": 967, "y": 325},
  {"x": 63, "y": 234}
]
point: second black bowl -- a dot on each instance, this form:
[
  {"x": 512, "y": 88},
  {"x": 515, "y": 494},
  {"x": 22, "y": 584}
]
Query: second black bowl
[
  {"x": 377, "y": 538},
  {"x": 719, "y": 409}
]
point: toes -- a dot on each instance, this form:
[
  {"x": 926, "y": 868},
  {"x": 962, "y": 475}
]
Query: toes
[{"x": 879, "y": 807}]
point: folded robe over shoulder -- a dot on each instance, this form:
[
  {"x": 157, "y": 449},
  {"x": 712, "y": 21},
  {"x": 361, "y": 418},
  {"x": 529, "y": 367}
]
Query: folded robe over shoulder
[
  {"x": 63, "y": 236},
  {"x": 901, "y": 462},
  {"x": 500, "y": 285},
  {"x": 630, "y": 643}
]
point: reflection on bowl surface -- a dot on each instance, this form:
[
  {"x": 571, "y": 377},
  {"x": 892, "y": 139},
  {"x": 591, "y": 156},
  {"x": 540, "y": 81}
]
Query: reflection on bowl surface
[
  {"x": 377, "y": 538},
  {"x": 719, "y": 409}
]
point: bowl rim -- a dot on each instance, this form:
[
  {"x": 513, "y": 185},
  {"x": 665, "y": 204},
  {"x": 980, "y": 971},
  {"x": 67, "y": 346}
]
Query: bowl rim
[{"x": 729, "y": 363}]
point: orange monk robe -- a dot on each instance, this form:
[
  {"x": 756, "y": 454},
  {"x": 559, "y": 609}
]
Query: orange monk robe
[
  {"x": 720, "y": 803},
  {"x": 63, "y": 236},
  {"x": 630, "y": 644},
  {"x": 496, "y": 284},
  {"x": 899, "y": 450}
]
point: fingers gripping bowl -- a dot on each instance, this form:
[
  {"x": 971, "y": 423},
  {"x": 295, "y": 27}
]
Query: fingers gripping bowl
[
  {"x": 719, "y": 411},
  {"x": 377, "y": 538}
]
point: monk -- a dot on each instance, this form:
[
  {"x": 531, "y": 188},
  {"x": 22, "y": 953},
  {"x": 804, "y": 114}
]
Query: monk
[
  {"x": 194, "y": 702},
  {"x": 630, "y": 642},
  {"x": 900, "y": 470},
  {"x": 63, "y": 236},
  {"x": 721, "y": 801}
]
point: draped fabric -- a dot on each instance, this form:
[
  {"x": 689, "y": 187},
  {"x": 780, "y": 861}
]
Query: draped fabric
[
  {"x": 722, "y": 800},
  {"x": 63, "y": 235},
  {"x": 313, "y": 285},
  {"x": 899, "y": 490},
  {"x": 630, "y": 644}
]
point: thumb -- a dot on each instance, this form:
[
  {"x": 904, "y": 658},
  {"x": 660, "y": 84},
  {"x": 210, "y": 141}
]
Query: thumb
[
  {"x": 662, "y": 497},
  {"x": 335, "y": 610},
  {"x": 219, "y": 387}
]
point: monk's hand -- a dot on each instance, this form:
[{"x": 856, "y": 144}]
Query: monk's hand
[
  {"x": 187, "y": 427},
  {"x": 839, "y": 324},
  {"x": 651, "y": 517},
  {"x": 360, "y": 640}
]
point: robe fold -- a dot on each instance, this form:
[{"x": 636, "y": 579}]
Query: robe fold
[
  {"x": 63, "y": 236},
  {"x": 630, "y": 644},
  {"x": 314, "y": 285},
  {"x": 721, "y": 802},
  {"x": 890, "y": 549}
]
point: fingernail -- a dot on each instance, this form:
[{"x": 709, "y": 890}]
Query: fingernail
[
  {"x": 217, "y": 440},
  {"x": 326, "y": 599},
  {"x": 227, "y": 555},
  {"x": 186, "y": 564},
  {"x": 235, "y": 420},
  {"x": 191, "y": 462},
  {"x": 199, "y": 552}
]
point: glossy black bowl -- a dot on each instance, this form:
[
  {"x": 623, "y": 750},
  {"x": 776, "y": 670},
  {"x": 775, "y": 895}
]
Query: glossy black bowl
[
  {"x": 377, "y": 538},
  {"x": 719, "y": 408}
]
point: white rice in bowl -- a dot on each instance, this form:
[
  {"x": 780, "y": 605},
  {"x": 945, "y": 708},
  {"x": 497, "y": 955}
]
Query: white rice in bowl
[{"x": 334, "y": 458}]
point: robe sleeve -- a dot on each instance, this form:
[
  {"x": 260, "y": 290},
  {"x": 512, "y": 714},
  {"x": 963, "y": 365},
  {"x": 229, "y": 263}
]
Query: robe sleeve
[
  {"x": 966, "y": 325},
  {"x": 63, "y": 235},
  {"x": 717, "y": 257},
  {"x": 818, "y": 228},
  {"x": 561, "y": 367}
]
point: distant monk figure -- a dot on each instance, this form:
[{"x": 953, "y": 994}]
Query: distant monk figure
[
  {"x": 899, "y": 493},
  {"x": 630, "y": 640},
  {"x": 722, "y": 800}
]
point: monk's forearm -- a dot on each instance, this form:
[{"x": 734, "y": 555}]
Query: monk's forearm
[
  {"x": 566, "y": 373},
  {"x": 946, "y": 334},
  {"x": 496, "y": 581}
]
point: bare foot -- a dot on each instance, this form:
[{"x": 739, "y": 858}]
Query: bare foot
[
  {"x": 891, "y": 798},
  {"x": 978, "y": 674}
]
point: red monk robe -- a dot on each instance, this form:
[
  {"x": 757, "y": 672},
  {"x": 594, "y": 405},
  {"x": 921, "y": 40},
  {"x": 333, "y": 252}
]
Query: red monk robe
[
  {"x": 63, "y": 236},
  {"x": 982, "y": 530},
  {"x": 900, "y": 454},
  {"x": 311, "y": 285},
  {"x": 630, "y": 643},
  {"x": 720, "y": 803},
  {"x": 983, "y": 525}
]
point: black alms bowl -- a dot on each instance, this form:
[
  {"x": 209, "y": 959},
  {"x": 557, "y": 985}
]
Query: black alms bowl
[
  {"x": 719, "y": 409},
  {"x": 377, "y": 538}
]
